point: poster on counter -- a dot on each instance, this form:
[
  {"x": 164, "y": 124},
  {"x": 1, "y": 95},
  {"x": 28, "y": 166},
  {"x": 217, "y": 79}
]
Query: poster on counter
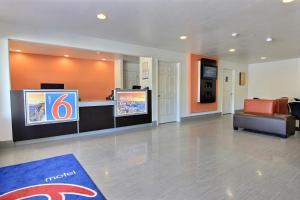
[
  {"x": 50, "y": 106},
  {"x": 131, "y": 103}
]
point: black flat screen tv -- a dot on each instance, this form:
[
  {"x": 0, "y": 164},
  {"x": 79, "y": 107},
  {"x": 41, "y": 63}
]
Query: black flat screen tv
[
  {"x": 54, "y": 86},
  {"x": 209, "y": 72}
]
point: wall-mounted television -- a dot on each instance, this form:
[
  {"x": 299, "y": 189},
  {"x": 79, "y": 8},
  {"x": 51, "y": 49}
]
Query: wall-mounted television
[
  {"x": 209, "y": 72},
  {"x": 131, "y": 102}
]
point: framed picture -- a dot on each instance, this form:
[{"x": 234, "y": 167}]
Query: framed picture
[
  {"x": 242, "y": 78},
  {"x": 129, "y": 102}
]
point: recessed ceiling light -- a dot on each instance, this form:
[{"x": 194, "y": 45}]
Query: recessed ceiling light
[
  {"x": 101, "y": 16},
  {"x": 269, "y": 39},
  {"x": 66, "y": 55},
  {"x": 231, "y": 50},
  {"x": 235, "y": 34},
  {"x": 229, "y": 193},
  {"x": 103, "y": 59},
  {"x": 259, "y": 173},
  {"x": 287, "y": 1},
  {"x": 18, "y": 50},
  {"x": 263, "y": 58},
  {"x": 183, "y": 37}
]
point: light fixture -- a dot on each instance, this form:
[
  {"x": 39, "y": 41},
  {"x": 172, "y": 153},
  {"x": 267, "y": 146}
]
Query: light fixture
[
  {"x": 259, "y": 173},
  {"x": 66, "y": 55},
  {"x": 287, "y": 1},
  {"x": 269, "y": 39},
  {"x": 263, "y": 58},
  {"x": 18, "y": 50},
  {"x": 183, "y": 37},
  {"x": 101, "y": 16},
  {"x": 231, "y": 50},
  {"x": 103, "y": 59},
  {"x": 235, "y": 34},
  {"x": 229, "y": 193}
]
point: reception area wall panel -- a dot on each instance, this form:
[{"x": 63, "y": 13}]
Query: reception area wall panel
[
  {"x": 194, "y": 106},
  {"x": 94, "y": 79}
]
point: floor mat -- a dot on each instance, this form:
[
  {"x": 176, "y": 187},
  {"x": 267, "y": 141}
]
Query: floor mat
[{"x": 57, "y": 178}]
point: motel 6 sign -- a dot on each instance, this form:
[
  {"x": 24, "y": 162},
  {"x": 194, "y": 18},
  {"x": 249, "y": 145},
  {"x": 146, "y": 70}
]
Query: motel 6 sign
[{"x": 50, "y": 106}]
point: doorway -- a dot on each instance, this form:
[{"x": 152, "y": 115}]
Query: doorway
[
  {"x": 131, "y": 74},
  {"x": 228, "y": 91},
  {"x": 168, "y": 109}
]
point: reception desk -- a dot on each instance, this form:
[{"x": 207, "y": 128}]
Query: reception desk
[
  {"x": 93, "y": 116},
  {"x": 96, "y": 115}
]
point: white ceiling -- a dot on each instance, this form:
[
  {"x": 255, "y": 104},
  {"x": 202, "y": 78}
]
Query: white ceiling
[{"x": 159, "y": 23}]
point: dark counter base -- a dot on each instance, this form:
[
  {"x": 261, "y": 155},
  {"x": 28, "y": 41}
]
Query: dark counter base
[
  {"x": 96, "y": 118},
  {"x": 132, "y": 120}
]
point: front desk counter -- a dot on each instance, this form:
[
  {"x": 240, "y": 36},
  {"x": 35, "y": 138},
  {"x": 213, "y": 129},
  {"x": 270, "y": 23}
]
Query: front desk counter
[
  {"x": 93, "y": 116},
  {"x": 96, "y": 115}
]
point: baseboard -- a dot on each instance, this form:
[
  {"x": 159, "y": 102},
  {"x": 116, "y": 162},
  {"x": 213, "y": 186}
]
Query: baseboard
[
  {"x": 238, "y": 110},
  {"x": 5, "y": 144},
  {"x": 204, "y": 116},
  {"x": 154, "y": 123}
]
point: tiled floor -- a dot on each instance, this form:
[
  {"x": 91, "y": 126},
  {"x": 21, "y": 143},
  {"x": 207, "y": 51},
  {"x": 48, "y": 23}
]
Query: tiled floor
[{"x": 200, "y": 159}]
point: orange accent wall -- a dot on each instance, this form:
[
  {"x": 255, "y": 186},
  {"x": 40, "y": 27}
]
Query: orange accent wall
[
  {"x": 94, "y": 79},
  {"x": 194, "y": 106}
]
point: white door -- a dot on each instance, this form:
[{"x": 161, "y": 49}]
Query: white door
[
  {"x": 228, "y": 84},
  {"x": 167, "y": 92},
  {"x": 130, "y": 75}
]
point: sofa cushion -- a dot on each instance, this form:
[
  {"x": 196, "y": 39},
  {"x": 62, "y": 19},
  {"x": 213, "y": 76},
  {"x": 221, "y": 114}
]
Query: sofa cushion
[
  {"x": 281, "y": 106},
  {"x": 274, "y": 116},
  {"x": 259, "y": 106}
]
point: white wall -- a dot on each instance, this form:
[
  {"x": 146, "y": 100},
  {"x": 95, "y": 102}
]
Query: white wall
[
  {"x": 118, "y": 71},
  {"x": 5, "y": 112},
  {"x": 275, "y": 79}
]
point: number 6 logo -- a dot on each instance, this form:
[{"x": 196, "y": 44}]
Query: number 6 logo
[{"x": 55, "y": 108}]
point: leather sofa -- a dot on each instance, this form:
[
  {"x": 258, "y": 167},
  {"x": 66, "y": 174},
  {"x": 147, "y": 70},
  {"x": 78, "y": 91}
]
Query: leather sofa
[{"x": 265, "y": 116}]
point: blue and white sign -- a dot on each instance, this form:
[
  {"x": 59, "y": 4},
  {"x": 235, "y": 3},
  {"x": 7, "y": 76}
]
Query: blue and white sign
[{"x": 44, "y": 106}]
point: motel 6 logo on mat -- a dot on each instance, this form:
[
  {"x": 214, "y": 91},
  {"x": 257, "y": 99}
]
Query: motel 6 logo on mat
[
  {"x": 61, "y": 106},
  {"x": 50, "y": 191}
]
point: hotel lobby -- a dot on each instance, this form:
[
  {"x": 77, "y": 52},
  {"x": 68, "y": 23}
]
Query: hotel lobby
[{"x": 147, "y": 100}]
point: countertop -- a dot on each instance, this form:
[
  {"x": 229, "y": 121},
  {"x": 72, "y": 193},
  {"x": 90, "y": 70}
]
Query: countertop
[{"x": 96, "y": 103}]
